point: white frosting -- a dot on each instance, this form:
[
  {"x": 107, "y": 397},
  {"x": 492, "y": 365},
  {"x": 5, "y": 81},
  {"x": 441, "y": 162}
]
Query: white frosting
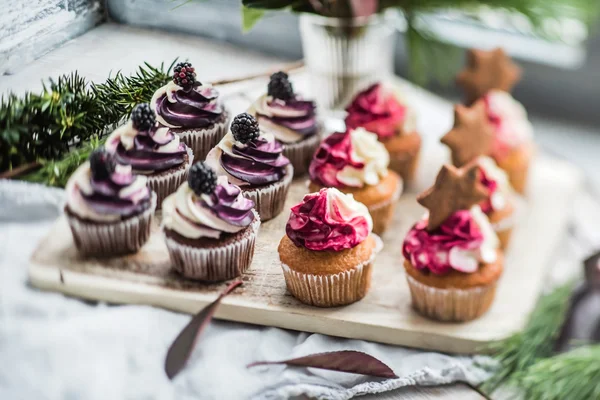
[
  {"x": 514, "y": 128},
  {"x": 367, "y": 149},
  {"x": 170, "y": 89},
  {"x": 183, "y": 214},
  {"x": 499, "y": 198},
  {"x": 80, "y": 182},
  {"x": 410, "y": 119},
  {"x": 346, "y": 207},
  {"x": 281, "y": 133}
]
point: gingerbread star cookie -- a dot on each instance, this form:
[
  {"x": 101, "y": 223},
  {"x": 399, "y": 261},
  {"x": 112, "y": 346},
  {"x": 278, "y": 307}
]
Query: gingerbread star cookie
[
  {"x": 487, "y": 70},
  {"x": 472, "y": 135},
  {"x": 455, "y": 189}
]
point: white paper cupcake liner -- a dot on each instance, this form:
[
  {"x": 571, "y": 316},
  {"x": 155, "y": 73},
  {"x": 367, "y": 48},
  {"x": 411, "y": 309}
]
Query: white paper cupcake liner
[
  {"x": 213, "y": 264},
  {"x": 201, "y": 141},
  {"x": 451, "y": 305},
  {"x": 269, "y": 200},
  {"x": 166, "y": 184},
  {"x": 300, "y": 153},
  {"x": 112, "y": 238},
  {"x": 383, "y": 212},
  {"x": 334, "y": 289}
]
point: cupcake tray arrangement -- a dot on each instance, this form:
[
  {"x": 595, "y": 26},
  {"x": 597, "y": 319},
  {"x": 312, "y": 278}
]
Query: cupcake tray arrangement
[{"x": 384, "y": 315}]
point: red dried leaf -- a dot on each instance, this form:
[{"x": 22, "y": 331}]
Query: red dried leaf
[
  {"x": 350, "y": 361},
  {"x": 364, "y": 8},
  {"x": 184, "y": 344}
]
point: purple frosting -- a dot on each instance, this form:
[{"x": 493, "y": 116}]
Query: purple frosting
[
  {"x": 225, "y": 207},
  {"x": 259, "y": 162},
  {"x": 305, "y": 125},
  {"x": 193, "y": 108},
  {"x": 105, "y": 197},
  {"x": 144, "y": 155}
]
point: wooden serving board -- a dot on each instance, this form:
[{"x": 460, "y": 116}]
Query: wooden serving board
[{"x": 385, "y": 315}]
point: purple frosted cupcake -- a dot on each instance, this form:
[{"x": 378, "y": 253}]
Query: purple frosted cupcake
[
  {"x": 210, "y": 227},
  {"x": 290, "y": 119},
  {"x": 151, "y": 150},
  {"x": 109, "y": 209},
  {"x": 254, "y": 161},
  {"x": 191, "y": 110}
]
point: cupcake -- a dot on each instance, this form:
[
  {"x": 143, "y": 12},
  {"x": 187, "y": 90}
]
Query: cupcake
[
  {"x": 109, "y": 209},
  {"x": 451, "y": 256},
  {"x": 470, "y": 141},
  {"x": 356, "y": 163},
  {"x": 490, "y": 76},
  {"x": 191, "y": 110},
  {"x": 254, "y": 161},
  {"x": 290, "y": 119},
  {"x": 328, "y": 250},
  {"x": 382, "y": 112},
  {"x": 152, "y": 151},
  {"x": 210, "y": 228}
]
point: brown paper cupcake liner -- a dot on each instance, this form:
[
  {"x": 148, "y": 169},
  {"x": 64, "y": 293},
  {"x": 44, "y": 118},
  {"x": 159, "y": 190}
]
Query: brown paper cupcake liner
[
  {"x": 167, "y": 183},
  {"x": 301, "y": 153},
  {"x": 213, "y": 264},
  {"x": 201, "y": 141},
  {"x": 269, "y": 200},
  {"x": 112, "y": 238},
  {"x": 451, "y": 305},
  {"x": 335, "y": 289},
  {"x": 382, "y": 213}
]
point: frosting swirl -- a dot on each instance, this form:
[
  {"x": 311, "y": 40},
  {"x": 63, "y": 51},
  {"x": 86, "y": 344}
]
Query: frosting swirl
[
  {"x": 496, "y": 182},
  {"x": 117, "y": 197},
  {"x": 255, "y": 163},
  {"x": 379, "y": 111},
  {"x": 154, "y": 150},
  {"x": 196, "y": 107},
  {"x": 354, "y": 158},
  {"x": 461, "y": 243},
  {"x": 509, "y": 118},
  {"x": 209, "y": 215},
  {"x": 329, "y": 221},
  {"x": 289, "y": 121}
]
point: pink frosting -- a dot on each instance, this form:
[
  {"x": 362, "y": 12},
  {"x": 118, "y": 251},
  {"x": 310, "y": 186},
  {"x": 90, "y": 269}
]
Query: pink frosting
[
  {"x": 432, "y": 251},
  {"x": 491, "y": 185},
  {"x": 319, "y": 226},
  {"x": 510, "y": 125},
  {"x": 333, "y": 154},
  {"x": 376, "y": 110}
]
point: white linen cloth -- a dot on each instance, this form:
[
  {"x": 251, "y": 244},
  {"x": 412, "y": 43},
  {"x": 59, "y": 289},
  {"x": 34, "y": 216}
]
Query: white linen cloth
[{"x": 54, "y": 347}]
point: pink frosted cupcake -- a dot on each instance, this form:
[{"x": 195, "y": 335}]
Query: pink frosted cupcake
[
  {"x": 290, "y": 119},
  {"x": 381, "y": 111},
  {"x": 254, "y": 161},
  {"x": 152, "y": 151},
  {"x": 108, "y": 208},
  {"x": 191, "y": 110},
  {"x": 210, "y": 227}
]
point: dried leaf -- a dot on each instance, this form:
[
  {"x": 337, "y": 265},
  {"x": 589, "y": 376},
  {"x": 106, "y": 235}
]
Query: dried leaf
[
  {"x": 350, "y": 361},
  {"x": 184, "y": 344}
]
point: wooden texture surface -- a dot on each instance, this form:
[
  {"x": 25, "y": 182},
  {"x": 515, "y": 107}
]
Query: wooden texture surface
[{"x": 385, "y": 315}]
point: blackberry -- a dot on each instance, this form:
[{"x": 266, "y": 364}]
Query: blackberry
[
  {"x": 202, "y": 179},
  {"x": 184, "y": 75},
  {"x": 102, "y": 164},
  {"x": 143, "y": 117},
  {"x": 245, "y": 128},
  {"x": 280, "y": 86}
]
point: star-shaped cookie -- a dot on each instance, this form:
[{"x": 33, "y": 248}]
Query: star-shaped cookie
[
  {"x": 487, "y": 70},
  {"x": 454, "y": 189},
  {"x": 472, "y": 135}
]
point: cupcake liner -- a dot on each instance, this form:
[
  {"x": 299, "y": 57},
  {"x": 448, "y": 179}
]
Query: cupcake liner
[
  {"x": 269, "y": 200},
  {"x": 301, "y": 153},
  {"x": 332, "y": 290},
  {"x": 404, "y": 164},
  {"x": 112, "y": 238},
  {"x": 166, "y": 183},
  {"x": 214, "y": 263},
  {"x": 201, "y": 141},
  {"x": 516, "y": 165},
  {"x": 382, "y": 213},
  {"x": 451, "y": 305}
]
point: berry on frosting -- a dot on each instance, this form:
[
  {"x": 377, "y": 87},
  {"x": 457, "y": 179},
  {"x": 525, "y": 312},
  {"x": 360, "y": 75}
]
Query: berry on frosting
[
  {"x": 245, "y": 128},
  {"x": 280, "y": 86},
  {"x": 102, "y": 164},
  {"x": 184, "y": 74},
  {"x": 142, "y": 117},
  {"x": 202, "y": 179}
]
